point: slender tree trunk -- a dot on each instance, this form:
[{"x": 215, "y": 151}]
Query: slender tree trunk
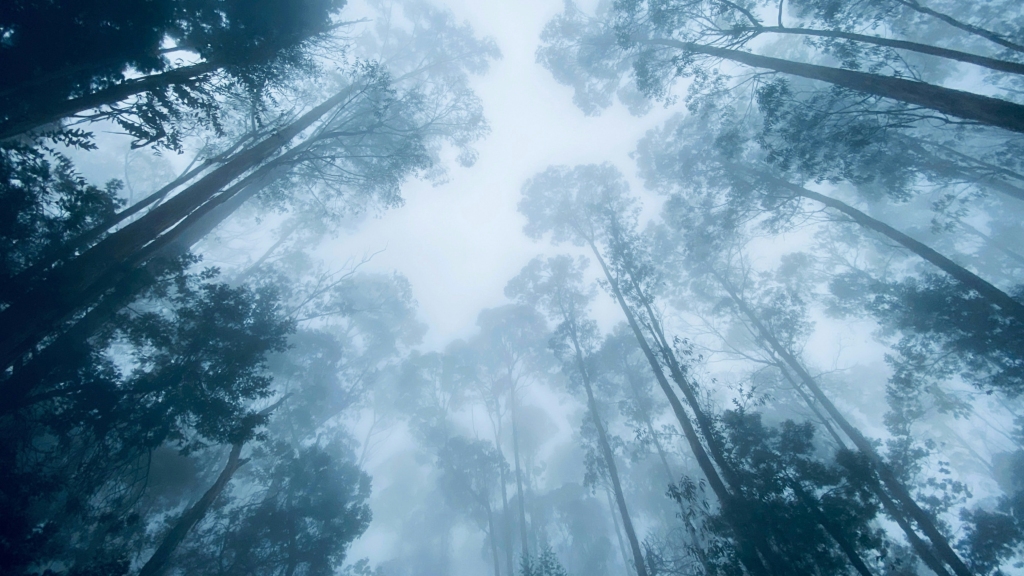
[
  {"x": 969, "y": 279},
  {"x": 670, "y": 477},
  {"x": 969, "y": 28},
  {"x": 523, "y": 532},
  {"x": 889, "y": 479},
  {"x": 957, "y": 103},
  {"x": 69, "y": 346},
  {"x": 675, "y": 370},
  {"x": 157, "y": 563},
  {"x": 920, "y": 547},
  {"x": 506, "y": 515},
  {"x": 992, "y": 242},
  {"x": 23, "y": 280},
  {"x": 658, "y": 333},
  {"x": 965, "y": 57},
  {"x": 963, "y": 167},
  {"x": 609, "y": 460},
  {"x": 112, "y": 95},
  {"x": 493, "y": 537},
  {"x": 618, "y": 531},
  {"x": 747, "y": 550},
  {"x": 650, "y": 430},
  {"x": 70, "y": 287}
]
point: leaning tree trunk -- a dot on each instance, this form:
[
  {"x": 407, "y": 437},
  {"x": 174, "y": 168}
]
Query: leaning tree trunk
[
  {"x": 157, "y": 563},
  {"x": 506, "y": 515},
  {"x": 969, "y": 279},
  {"x": 609, "y": 461},
  {"x": 957, "y": 55},
  {"x": 658, "y": 333},
  {"x": 493, "y": 537},
  {"x": 71, "y": 287},
  {"x": 21, "y": 282},
  {"x": 618, "y": 531},
  {"x": 748, "y": 549},
  {"x": 523, "y": 532},
  {"x": 63, "y": 109},
  {"x": 966, "y": 105},
  {"x": 902, "y": 496},
  {"x": 147, "y": 265},
  {"x": 969, "y": 28}
]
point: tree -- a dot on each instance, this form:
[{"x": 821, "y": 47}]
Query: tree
[
  {"x": 557, "y": 286},
  {"x": 52, "y": 77},
  {"x": 663, "y": 41}
]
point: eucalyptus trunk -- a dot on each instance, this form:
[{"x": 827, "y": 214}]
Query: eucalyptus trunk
[
  {"x": 966, "y": 105},
  {"x": 969, "y": 279},
  {"x": 748, "y": 544},
  {"x": 157, "y": 563},
  {"x": 116, "y": 93},
  {"x": 609, "y": 459},
  {"x": 73, "y": 286},
  {"x": 902, "y": 497},
  {"x": 957, "y": 55}
]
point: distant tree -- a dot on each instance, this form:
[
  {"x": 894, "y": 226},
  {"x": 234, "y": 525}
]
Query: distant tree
[{"x": 556, "y": 285}]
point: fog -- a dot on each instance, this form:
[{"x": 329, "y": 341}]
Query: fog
[{"x": 416, "y": 287}]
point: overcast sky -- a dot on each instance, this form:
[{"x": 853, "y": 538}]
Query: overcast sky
[{"x": 459, "y": 243}]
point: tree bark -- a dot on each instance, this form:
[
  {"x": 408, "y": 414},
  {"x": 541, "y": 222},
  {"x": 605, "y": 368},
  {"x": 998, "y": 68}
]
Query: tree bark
[
  {"x": 609, "y": 460},
  {"x": 957, "y": 55},
  {"x": 969, "y": 28},
  {"x": 70, "y": 287},
  {"x": 23, "y": 280},
  {"x": 157, "y": 563},
  {"x": 618, "y": 532},
  {"x": 747, "y": 550},
  {"x": 506, "y": 515},
  {"x": 658, "y": 333},
  {"x": 899, "y": 491},
  {"x": 493, "y": 537},
  {"x": 965, "y": 105},
  {"x": 523, "y": 532},
  {"x": 19, "y": 125},
  {"x": 969, "y": 279}
]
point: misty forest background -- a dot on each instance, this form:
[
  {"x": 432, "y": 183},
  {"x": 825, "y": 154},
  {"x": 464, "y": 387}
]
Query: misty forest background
[{"x": 776, "y": 329}]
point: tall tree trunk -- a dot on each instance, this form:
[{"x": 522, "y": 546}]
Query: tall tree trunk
[
  {"x": 966, "y": 105},
  {"x": 609, "y": 459},
  {"x": 506, "y": 515},
  {"x": 993, "y": 243},
  {"x": 657, "y": 331},
  {"x": 70, "y": 347},
  {"x": 748, "y": 551},
  {"x": 118, "y": 92},
  {"x": 902, "y": 496},
  {"x": 523, "y": 532},
  {"x": 618, "y": 531},
  {"x": 157, "y": 563},
  {"x": 920, "y": 547},
  {"x": 670, "y": 477},
  {"x": 969, "y": 28},
  {"x": 964, "y": 166},
  {"x": 23, "y": 280},
  {"x": 969, "y": 279},
  {"x": 493, "y": 537},
  {"x": 957, "y": 55},
  {"x": 649, "y": 425},
  {"x": 70, "y": 287}
]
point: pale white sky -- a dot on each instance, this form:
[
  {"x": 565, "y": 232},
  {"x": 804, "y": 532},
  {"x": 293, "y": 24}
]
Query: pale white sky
[{"x": 459, "y": 243}]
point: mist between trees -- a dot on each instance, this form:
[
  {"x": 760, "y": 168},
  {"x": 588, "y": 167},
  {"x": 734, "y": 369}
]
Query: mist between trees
[{"x": 787, "y": 340}]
